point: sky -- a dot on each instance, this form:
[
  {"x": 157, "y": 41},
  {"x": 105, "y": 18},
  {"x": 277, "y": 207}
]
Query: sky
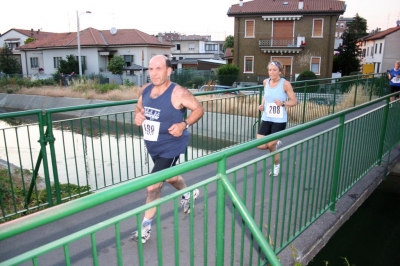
[{"x": 201, "y": 17}]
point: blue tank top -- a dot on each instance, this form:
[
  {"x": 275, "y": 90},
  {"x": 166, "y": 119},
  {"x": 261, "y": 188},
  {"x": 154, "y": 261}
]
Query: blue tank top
[
  {"x": 161, "y": 110},
  {"x": 271, "y": 94}
]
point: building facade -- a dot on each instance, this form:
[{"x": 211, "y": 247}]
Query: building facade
[{"x": 299, "y": 34}]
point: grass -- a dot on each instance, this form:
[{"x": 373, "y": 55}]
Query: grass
[{"x": 14, "y": 185}]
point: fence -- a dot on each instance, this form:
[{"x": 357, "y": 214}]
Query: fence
[
  {"x": 245, "y": 216},
  {"x": 74, "y": 157}
]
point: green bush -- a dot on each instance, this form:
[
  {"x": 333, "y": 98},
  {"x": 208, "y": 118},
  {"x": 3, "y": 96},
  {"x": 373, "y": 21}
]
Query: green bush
[
  {"x": 197, "y": 82},
  {"x": 127, "y": 82},
  {"x": 227, "y": 74},
  {"x": 104, "y": 88},
  {"x": 306, "y": 82}
]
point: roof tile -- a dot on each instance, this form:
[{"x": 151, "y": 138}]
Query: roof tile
[{"x": 279, "y": 7}]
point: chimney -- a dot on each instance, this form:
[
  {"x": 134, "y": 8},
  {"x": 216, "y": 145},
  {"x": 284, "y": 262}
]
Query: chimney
[
  {"x": 240, "y": 2},
  {"x": 301, "y": 4},
  {"x": 160, "y": 38},
  {"x": 38, "y": 31}
]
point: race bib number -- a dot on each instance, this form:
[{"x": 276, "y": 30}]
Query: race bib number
[
  {"x": 396, "y": 80},
  {"x": 151, "y": 129},
  {"x": 274, "y": 111}
]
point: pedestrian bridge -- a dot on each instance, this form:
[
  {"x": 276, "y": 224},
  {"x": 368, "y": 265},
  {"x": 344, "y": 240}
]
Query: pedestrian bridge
[{"x": 82, "y": 180}]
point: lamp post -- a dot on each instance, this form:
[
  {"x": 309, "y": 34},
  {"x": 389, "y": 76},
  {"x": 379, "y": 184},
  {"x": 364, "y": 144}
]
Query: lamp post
[{"x": 79, "y": 41}]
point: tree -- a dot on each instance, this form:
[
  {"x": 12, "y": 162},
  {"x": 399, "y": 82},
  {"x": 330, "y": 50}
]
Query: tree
[
  {"x": 116, "y": 66},
  {"x": 228, "y": 42},
  {"x": 227, "y": 74},
  {"x": 28, "y": 40},
  {"x": 349, "y": 51},
  {"x": 8, "y": 63},
  {"x": 71, "y": 65}
]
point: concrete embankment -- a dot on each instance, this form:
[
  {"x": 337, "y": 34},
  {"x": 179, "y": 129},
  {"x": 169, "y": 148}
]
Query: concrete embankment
[{"x": 30, "y": 102}]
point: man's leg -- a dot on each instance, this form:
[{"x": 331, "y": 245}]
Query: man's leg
[{"x": 153, "y": 193}]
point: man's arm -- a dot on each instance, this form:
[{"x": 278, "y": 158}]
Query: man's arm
[
  {"x": 139, "y": 111},
  {"x": 188, "y": 100}
]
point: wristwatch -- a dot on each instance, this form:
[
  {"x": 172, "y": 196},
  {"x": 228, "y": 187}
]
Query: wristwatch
[
  {"x": 283, "y": 103},
  {"x": 187, "y": 124}
]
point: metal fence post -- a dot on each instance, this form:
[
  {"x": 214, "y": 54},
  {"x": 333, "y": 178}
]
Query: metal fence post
[
  {"x": 220, "y": 214},
  {"x": 51, "y": 139},
  {"x": 383, "y": 131},
  {"x": 43, "y": 143},
  {"x": 337, "y": 165}
]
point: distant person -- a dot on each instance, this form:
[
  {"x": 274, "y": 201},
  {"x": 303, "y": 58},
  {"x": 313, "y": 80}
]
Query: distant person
[
  {"x": 278, "y": 95},
  {"x": 160, "y": 111},
  {"x": 394, "y": 77}
]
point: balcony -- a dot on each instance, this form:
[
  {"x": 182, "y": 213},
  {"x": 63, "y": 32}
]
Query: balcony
[{"x": 291, "y": 45}]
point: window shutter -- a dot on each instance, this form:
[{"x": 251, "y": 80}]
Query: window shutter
[
  {"x": 250, "y": 28},
  {"x": 317, "y": 28}
]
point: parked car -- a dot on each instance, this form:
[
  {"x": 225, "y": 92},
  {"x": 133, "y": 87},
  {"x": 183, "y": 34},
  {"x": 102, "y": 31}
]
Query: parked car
[{"x": 217, "y": 88}]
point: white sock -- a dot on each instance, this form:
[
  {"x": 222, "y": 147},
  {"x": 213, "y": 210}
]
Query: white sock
[{"x": 146, "y": 223}]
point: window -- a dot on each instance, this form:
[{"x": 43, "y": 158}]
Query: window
[
  {"x": 376, "y": 48},
  {"x": 337, "y": 25},
  {"x": 248, "y": 64},
  {"x": 283, "y": 33},
  {"x": 249, "y": 30},
  {"x": 318, "y": 28},
  {"x": 178, "y": 46},
  {"x": 363, "y": 52},
  {"x": 191, "y": 46},
  {"x": 380, "y": 48},
  {"x": 83, "y": 60},
  {"x": 315, "y": 65},
  {"x": 56, "y": 61},
  {"x": 378, "y": 66},
  {"x": 286, "y": 63},
  {"x": 211, "y": 47},
  {"x": 128, "y": 60},
  {"x": 372, "y": 51},
  {"x": 34, "y": 62},
  {"x": 342, "y": 25}
]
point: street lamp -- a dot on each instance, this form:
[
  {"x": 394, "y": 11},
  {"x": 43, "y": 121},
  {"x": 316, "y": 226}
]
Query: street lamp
[{"x": 79, "y": 41}]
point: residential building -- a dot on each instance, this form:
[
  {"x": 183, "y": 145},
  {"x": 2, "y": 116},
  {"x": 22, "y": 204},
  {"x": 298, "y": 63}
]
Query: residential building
[
  {"x": 341, "y": 26},
  {"x": 300, "y": 34},
  {"x": 381, "y": 49},
  {"x": 188, "y": 49},
  {"x": 15, "y": 38},
  {"x": 97, "y": 48}
]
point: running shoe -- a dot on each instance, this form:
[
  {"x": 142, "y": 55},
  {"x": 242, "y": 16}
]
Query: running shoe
[
  {"x": 185, "y": 202},
  {"x": 275, "y": 171},
  {"x": 145, "y": 235}
]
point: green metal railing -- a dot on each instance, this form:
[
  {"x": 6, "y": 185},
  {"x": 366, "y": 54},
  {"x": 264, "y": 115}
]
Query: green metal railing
[
  {"x": 73, "y": 157},
  {"x": 246, "y": 216}
]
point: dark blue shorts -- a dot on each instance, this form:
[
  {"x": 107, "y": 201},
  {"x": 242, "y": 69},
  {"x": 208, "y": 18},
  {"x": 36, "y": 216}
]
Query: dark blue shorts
[
  {"x": 268, "y": 127},
  {"x": 161, "y": 163}
]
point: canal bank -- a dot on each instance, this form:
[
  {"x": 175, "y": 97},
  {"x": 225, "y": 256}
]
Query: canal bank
[
  {"x": 306, "y": 247},
  {"x": 371, "y": 236}
]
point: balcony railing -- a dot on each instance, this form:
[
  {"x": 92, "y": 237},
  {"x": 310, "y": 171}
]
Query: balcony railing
[{"x": 278, "y": 42}]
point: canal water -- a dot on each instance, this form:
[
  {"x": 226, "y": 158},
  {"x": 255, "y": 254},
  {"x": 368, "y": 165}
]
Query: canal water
[
  {"x": 97, "y": 154},
  {"x": 371, "y": 237}
]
